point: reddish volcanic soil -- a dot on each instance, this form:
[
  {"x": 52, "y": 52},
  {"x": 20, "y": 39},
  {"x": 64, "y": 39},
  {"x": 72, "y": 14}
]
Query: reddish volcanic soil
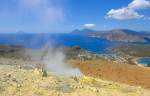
[{"x": 124, "y": 73}]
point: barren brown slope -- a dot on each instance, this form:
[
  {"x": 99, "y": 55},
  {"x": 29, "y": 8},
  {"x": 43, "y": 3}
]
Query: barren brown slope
[{"x": 124, "y": 73}]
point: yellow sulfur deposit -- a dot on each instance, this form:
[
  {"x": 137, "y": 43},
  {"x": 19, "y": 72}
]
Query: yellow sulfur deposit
[{"x": 21, "y": 82}]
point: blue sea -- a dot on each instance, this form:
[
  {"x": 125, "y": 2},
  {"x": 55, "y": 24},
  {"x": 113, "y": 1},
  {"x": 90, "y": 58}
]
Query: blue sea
[
  {"x": 94, "y": 45},
  {"x": 144, "y": 60}
]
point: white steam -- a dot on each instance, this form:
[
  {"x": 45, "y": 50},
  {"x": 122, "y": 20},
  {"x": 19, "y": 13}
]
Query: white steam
[{"x": 53, "y": 60}]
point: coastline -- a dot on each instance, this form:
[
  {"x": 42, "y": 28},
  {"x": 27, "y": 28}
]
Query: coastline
[
  {"x": 135, "y": 60},
  {"x": 96, "y": 67}
]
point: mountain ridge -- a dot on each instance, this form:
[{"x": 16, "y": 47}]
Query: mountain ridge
[{"x": 123, "y": 35}]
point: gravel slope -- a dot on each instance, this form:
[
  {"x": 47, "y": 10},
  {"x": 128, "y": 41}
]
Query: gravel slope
[{"x": 21, "y": 82}]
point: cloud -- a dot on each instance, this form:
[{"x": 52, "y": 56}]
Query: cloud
[
  {"x": 124, "y": 14},
  {"x": 139, "y": 4},
  {"x": 129, "y": 12},
  {"x": 89, "y": 25}
]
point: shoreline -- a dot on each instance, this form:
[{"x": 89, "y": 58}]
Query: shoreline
[{"x": 135, "y": 60}]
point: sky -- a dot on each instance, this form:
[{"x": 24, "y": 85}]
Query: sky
[{"x": 66, "y": 15}]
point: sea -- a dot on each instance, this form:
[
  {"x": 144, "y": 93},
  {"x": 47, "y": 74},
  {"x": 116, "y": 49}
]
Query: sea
[
  {"x": 94, "y": 45},
  {"x": 144, "y": 60}
]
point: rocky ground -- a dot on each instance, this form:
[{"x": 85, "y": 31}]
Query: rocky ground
[
  {"x": 124, "y": 73},
  {"x": 20, "y": 77},
  {"x": 22, "y": 82}
]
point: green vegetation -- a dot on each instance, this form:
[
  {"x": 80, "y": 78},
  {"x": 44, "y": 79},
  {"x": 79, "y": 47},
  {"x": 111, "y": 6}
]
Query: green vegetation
[
  {"x": 132, "y": 50},
  {"x": 11, "y": 51}
]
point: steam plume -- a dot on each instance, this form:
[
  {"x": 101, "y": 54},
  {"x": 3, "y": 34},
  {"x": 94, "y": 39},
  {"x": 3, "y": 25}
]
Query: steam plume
[{"x": 53, "y": 60}]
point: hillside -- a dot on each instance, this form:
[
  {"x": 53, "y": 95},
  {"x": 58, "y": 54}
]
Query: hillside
[
  {"x": 123, "y": 35},
  {"x": 21, "y": 76},
  {"x": 132, "y": 50},
  {"x": 123, "y": 73},
  {"x": 22, "y": 82}
]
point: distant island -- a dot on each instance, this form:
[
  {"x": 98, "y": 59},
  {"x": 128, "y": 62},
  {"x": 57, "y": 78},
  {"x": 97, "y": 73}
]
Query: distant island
[{"x": 121, "y": 35}]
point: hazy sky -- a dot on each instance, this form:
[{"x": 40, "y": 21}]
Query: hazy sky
[{"x": 66, "y": 15}]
